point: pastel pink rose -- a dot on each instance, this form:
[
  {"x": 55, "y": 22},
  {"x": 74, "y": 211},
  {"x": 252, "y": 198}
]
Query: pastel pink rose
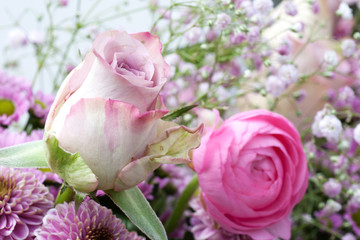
[
  {"x": 252, "y": 171},
  {"x": 108, "y": 107}
]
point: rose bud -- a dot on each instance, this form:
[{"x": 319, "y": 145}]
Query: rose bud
[
  {"x": 252, "y": 172},
  {"x": 104, "y": 130}
]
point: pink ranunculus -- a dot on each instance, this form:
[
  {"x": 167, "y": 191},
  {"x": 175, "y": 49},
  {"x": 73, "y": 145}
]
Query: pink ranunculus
[
  {"x": 252, "y": 172},
  {"x": 108, "y": 108}
]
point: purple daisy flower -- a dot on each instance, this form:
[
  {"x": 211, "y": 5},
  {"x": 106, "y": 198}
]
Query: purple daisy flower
[
  {"x": 15, "y": 96},
  {"x": 23, "y": 203},
  {"x": 91, "y": 221},
  {"x": 41, "y": 105}
]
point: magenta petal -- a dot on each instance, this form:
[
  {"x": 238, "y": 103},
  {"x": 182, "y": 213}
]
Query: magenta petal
[
  {"x": 281, "y": 229},
  {"x": 20, "y": 231}
]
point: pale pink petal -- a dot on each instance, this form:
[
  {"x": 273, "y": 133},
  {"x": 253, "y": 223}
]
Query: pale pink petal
[
  {"x": 153, "y": 45},
  {"x": 71, "y": 83}
]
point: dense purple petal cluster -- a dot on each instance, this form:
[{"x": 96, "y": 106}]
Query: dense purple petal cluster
[
  {"x": 24, "y": 201},
  {"x": 90, "y": 221}
]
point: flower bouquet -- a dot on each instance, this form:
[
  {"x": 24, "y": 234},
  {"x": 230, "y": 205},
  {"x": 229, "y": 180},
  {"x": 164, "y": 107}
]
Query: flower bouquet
[{"x": 226, "y": 119}]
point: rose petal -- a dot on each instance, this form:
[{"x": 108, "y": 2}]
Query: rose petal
[{"x": 111, "y": 130}]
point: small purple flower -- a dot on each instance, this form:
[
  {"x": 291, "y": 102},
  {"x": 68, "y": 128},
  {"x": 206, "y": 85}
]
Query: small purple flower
[
  {"x": 211, "y": 35},
  {"x": 237, "y": 37},
  {"x": 332, "y": 188},
  {"x": 346, "y": 97},
  {"x": 288, "y": 73},
  {"x": 285, "y": 47},
  {"x": 291, "y": 9},
  {"x": 275, "y": 85},
  {"x": 263, "y": 6},
  {"x": 41, "y": 105},
  {"x": 222, "y": 21},
  {"x": 91, "y": 221},
  {"x": 24, "y": 200},
  {"x": 15, "y": 96},
  {"x": 193, "y": 35}
]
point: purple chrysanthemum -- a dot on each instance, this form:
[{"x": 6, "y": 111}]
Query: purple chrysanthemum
[
  {"x": 91, "y": 221},
  {"x": 24, "y": 201},
  {"x": 41, "y": 105},
  {"x": 15, "y": 95}
]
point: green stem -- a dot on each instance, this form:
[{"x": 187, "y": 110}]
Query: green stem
[
  {"x": 181, "y": 205},
  {"x": 66, "y": 194},
  {"x": 64, "y": 56}
]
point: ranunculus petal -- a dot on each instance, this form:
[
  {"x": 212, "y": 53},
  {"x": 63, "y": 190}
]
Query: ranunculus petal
[{"x": 281, "y": 229}]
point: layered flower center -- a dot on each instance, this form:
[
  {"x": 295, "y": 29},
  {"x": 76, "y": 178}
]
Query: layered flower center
[
  {"x": 125, "y": 69},
  {"x": 262, "y": 169},
  {"x": 139, "y": 66},
  {"x": 7, "y": 107},
  {"x": 99, "y": 234}
]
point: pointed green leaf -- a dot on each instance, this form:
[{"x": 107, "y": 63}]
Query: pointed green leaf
[
  {"x": 26, "y": 155},
  {"x": 178, "y": 112},
  {"x": 135, "y": 206}
]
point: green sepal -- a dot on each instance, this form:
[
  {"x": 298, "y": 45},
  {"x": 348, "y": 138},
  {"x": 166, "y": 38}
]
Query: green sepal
[
  {"x": 70, "y": 167},
  {"x": 26, "y": 155},
  {"x": 135, "y": 206},
  {"x": 175, "y": 147}
]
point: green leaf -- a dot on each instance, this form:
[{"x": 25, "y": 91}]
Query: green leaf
[
  {"x": 26, "y": 155},
  {"x": 178, "y": 112},
  {"x": 135, "y": 206}
]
